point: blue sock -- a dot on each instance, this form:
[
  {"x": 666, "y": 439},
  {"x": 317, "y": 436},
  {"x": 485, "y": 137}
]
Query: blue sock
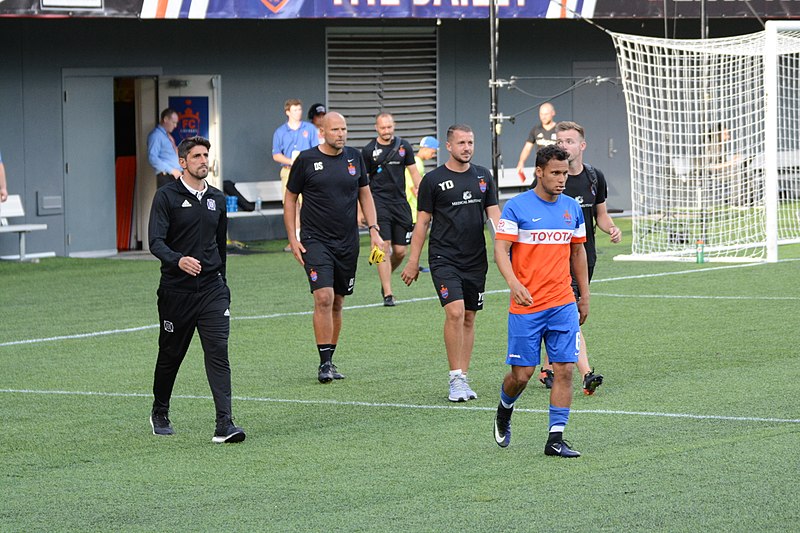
[
  {"x": 558, "y": 418},
  {"x": 506, "y": 400}
]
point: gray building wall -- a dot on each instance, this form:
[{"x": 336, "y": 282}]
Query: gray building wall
[{"x": 259, "y": 70}]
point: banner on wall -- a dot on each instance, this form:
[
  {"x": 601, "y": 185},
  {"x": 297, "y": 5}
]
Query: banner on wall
[
  {"x": 193, "y": 117},
  {"x": 445, "y": 9}
]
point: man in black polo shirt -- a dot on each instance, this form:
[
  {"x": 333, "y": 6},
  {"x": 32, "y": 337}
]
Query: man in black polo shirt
[
  {"x": 188, "y": 226},
  {"x": 387, "y": 157},
  {"x": 456, "y": 196},
  {"x": 588, "y": 186},
  {"x": 332, "y": 179}
]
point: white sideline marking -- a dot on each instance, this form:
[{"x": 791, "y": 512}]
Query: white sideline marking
[
  {"x": 414, "y": 300},
  {"x": 695, "y": 297},
  {"x": 407, "y": 405}
]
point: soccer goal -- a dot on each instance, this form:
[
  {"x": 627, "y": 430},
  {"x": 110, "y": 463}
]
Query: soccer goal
[{"x": 714, "y": 128}]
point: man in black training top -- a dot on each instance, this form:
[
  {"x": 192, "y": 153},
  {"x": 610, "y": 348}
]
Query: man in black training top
[
  {"x": 332, "y": 179},
  {"x": 188, "y": 226},
  {"x": 456, "y": 196},
  {"x": 387, "y": 157}
]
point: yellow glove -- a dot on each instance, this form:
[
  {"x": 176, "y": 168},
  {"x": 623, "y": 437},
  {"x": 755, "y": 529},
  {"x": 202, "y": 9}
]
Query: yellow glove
[{"x": 376, "y": 256}]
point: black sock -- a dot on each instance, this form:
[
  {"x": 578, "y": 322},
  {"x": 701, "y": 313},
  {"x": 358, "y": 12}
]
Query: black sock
[
  {"x": 333, "y": 349},
  {"x": 325, "y": 353},
  {"x": 555, "y": 436}
]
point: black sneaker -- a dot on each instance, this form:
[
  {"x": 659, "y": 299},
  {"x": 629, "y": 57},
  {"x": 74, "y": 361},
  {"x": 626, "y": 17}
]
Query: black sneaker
[
  {"x": 335, "y": 372},
  {"x": 591, "y": 381},
  {"x": 325, "y": 374},
  {"x": 160, "y": 423},
  {"x": 388, "y": 301},
  {"x": 546, "y": 378},
  {"x": 228, "y": 432},
  {"x": 560, "y": 449},
  {"x": 502, "y": 426}
]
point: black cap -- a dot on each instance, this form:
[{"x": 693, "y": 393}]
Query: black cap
[{"x": 316, "y": 109}]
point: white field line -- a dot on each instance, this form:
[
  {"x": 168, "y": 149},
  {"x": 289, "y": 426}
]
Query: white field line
[
  {"x": 459, "y": 407},
  {"x": 414, "y": 300}
]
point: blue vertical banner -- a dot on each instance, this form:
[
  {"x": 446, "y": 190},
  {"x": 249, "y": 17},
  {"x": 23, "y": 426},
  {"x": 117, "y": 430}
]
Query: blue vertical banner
[{"x": 193, "y": 117}]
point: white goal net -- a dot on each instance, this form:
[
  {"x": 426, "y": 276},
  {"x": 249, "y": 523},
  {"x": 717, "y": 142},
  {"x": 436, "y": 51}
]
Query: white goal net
[{"x": 714, "y": 129}]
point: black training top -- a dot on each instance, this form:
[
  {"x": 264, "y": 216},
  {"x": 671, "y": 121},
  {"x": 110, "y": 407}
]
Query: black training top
[
  {"x": 387, "y": 181},
  {"x": 329, "y": 185},
  {"x": 580, "y": 187},
  {"x": 541, "y": 137},
  {"x": 181, "y": 225},
  {"x": 457, "y": 201}
]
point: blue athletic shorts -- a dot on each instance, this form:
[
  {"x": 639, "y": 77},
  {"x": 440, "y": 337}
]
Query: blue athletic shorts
[{"x": 558, "y": 326}]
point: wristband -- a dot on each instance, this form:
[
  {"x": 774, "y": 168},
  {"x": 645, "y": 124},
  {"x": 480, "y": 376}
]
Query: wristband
[{"x": 377, "y": 228}]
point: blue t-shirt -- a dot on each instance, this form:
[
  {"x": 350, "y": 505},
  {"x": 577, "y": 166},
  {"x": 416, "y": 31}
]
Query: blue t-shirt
[{"x": 286, "y": 140}]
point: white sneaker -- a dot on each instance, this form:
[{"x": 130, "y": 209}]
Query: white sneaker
[
  {"x": 471, "y": 395},
  {"x": 458, "y": 392}
]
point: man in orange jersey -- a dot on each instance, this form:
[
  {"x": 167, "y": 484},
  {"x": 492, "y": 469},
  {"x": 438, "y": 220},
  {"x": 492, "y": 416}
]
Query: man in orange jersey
[{"x": 539, "y": 237}]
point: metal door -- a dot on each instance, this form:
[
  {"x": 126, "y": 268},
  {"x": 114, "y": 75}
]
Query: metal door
[
  {"x": 600, "y": 108},
  {"x": 196, "y": 98},
  {"x": 89, "y": 176}
]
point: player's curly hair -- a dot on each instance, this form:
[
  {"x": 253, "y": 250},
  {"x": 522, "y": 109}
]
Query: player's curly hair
[{"x": 548, "y": 153}]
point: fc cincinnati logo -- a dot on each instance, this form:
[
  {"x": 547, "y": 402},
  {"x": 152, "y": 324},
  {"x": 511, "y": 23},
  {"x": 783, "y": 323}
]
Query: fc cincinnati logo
[
  {"x": 313, "y": 275},
  {"x": 351, "y": 169},
  {"x": 402, "y": 152},
  {"x": 444, "y": 292},
  {"x": 567, "y": 217},
  {"x": 482, "y": 185},
  {"x": 305, "y": 134}
]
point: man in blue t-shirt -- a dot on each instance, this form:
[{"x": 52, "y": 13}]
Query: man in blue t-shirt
[{"x": 289, "y": 140}]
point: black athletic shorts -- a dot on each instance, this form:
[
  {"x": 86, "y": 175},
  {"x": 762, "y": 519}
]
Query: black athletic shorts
[
  {"x": 575, "y": 289},
  {"x": 395, "y": 222},
  {"x": 327, "y": 267},
  {"x": 453, "y": 284}
]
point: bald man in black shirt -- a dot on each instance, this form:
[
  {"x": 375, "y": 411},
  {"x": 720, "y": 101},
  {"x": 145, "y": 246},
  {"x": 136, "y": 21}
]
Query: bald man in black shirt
[{"x": 332, "y": 179}]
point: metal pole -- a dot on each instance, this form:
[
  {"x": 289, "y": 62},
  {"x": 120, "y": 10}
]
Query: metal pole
[
  {"x": 495, "y": 124},
  {"x": 703, "y": 21}
]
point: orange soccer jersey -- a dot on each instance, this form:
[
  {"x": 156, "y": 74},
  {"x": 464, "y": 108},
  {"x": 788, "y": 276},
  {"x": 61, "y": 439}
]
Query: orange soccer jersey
[{"x": 541, "y": 233}]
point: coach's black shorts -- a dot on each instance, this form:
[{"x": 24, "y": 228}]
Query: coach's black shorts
[
  {"x": 328, "y": 267},
  {"x": 395, "y": 222},
  {"x": 453, "y": 284},
  {"x": 575, "y": 289}
]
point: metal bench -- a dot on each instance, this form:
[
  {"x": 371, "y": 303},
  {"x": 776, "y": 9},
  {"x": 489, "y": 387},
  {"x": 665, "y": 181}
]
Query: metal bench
[{"x": 11, "y": 208}]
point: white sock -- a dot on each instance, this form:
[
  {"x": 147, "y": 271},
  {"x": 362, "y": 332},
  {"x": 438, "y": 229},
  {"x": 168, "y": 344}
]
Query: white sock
[{"x": 455, "y": 374}]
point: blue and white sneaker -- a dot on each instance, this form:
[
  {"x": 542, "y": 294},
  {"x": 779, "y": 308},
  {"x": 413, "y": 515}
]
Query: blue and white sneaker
[
  {"x": 502, "y": 426},
  {"x": 458, "y": 392}
]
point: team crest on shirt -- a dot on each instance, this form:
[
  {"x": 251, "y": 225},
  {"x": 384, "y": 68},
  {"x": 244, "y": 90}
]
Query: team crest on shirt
[
  {"x": 351, "y": 169},
  {"x": 312, "y": 274},
  {"x": 567, "y": 217},
  {"x": 467, "y": 195},
  {"x": 444, "y": 292},
  {"x": 211, "y": 204},
  {"x": 305, "y": 134},
  {"x": 579, "y": 199},
  {"x": 482, "y": 184},
  {"x": 402, "y": 152}
]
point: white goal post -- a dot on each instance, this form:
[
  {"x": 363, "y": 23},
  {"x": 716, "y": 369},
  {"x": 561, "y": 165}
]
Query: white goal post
[{"x": 714, "y": 130}]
